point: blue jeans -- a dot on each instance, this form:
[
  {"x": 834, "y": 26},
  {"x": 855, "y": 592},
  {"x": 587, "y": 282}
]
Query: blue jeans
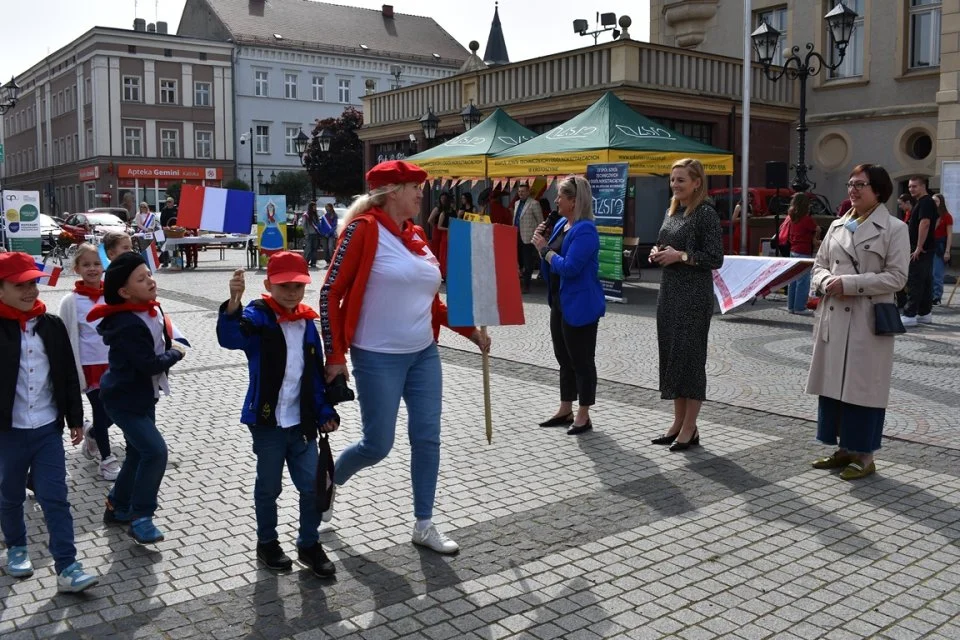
[
  {"x": 939, "y": 267},
  {"x": 799, "y": 289},
  {"x": 101, "y": 423},
  {"x": 311, "y": 242},
  {"x": 852, "y": 427},
  {"x": 134, "y": 494},
  {"x": 273, "y": 446},
  {"x": 382, "y": 379},
  {"x": 42, "y": 451}
]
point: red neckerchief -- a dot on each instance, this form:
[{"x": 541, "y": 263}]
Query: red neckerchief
[
  {"x": 302, "y": 312},
  {"x": 81, "y": 289},
  {"x": 409, "y": 236},
  {"x": 101, "y": 311},
  {"x": 9, "y": 313}
]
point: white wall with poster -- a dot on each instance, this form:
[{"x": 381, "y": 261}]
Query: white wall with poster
[
  {"x": 21, "y": 221},
  {"x": 950, "y": 188}
]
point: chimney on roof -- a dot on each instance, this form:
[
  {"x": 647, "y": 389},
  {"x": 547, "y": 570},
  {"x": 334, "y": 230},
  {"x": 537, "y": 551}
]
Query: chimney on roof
[
  {"x": 162, "y": 27},
  {"x": 151, "y": 28},
  {"x": 388, "y": 11},
  {"x": 139, "y": 24}
]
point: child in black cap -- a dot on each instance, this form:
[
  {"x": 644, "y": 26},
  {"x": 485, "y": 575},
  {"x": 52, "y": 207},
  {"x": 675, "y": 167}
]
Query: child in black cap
[{"x": 142, "y": 349}]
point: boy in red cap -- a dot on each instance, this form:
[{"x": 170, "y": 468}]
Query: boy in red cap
[
  {"x": 286, "y": 406},
  {"x": 39, "y": 391}
]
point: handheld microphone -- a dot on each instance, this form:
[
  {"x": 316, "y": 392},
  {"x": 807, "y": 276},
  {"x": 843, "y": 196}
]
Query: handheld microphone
[{"x": 552, "y": 218}]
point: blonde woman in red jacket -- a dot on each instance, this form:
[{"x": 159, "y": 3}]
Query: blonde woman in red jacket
[{"x": 381, "y": 300}]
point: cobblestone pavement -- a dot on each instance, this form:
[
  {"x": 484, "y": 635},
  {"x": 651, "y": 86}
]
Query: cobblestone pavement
[{"x": 603, "y": 535}]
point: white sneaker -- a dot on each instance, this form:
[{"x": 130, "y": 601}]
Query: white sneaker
[
  {"x": 433, "y": 539},
  {"x": 327, "y": 515},
  {"x": 90, "y": 449},
  {"x": 74, "y": 579},
  {"x": 908, "y": 322},
  {"x": 110, "y": 468},
  {"x": 927, "y": 319}
]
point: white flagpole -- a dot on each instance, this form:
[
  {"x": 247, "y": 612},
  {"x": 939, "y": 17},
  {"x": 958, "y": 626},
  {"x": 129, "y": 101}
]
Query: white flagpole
[{"x": 745, "y": 133}]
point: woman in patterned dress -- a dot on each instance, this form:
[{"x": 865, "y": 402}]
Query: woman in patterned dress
[{"x": 689, "y": 248}]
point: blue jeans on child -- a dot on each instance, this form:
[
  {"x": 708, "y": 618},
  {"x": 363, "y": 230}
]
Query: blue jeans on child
[
  {"x": 273, "y": 446},
  {"x": 382, "y": 379},
  {"x": 939, "y": 267},
  {"x": 799, "y": 289},
  {"x": 42, "y": 451},
  {"x": 101, "y": 423},
  {"x": 134, "y": 494}
]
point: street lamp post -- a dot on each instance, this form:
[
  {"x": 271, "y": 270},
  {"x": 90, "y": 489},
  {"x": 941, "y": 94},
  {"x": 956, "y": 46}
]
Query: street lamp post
[
  {"x": 470, "y": 116},
  {"x": 9, "y": 95},
  {"x": 429, "y": 122},
  {"x": 307, "y": 159},
  {"x": 247, "y": 139},
  {"x": 841, "y": 20}
]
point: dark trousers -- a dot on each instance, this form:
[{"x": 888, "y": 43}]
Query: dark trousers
[
  {"x": 527, "y": 259},
  {"x": 575, "y": 349},
  {"x": 920, "y": 286},
  {"x": 134, "y": 493},
  {"x": 101, "y": 423},
  {"x": 40, "y": 453}
]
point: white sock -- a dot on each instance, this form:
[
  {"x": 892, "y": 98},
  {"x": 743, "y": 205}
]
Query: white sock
[{"x": 424, "y": 524}]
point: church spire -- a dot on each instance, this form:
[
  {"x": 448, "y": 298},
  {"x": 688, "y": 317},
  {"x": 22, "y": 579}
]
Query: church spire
[{"x": 496, "y": 52}]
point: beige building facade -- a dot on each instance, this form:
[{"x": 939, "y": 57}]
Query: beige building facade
[
  {"x": 118, "y": 115},
  {"x": 893, "y": 100}
]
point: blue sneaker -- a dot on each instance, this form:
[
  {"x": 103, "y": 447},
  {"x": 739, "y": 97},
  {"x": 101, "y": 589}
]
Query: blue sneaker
[
  {"x": 18, "y": 563},
  {"x": 143, "y": 531},
  {"x": 74, "y": 579}
]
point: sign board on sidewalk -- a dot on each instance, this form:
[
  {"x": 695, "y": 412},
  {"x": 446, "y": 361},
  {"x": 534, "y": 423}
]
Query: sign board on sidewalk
[
  {"x": 21, "y": 221},
  {"x": 608, "y": 185}
]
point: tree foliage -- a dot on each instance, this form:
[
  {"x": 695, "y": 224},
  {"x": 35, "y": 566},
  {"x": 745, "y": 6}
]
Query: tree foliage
[
  {"x": 238, "y": 184},
  {"x": 295, "y": 185},
  {"x": 173, "y": 191},
  {"x": 339, "y": 171}
]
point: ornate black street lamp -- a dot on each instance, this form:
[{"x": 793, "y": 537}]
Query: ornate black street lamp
[
  {"x": 840, "y": 21},
  {"x": 470, "y": 116},
  {"x": 308, "y": 159},
  {"x": 429, "y": 122},
  {"x": 9, "y": 95}
]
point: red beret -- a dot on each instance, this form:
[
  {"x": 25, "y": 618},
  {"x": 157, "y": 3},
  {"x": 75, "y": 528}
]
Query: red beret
[{"x": 394, "y": 172}]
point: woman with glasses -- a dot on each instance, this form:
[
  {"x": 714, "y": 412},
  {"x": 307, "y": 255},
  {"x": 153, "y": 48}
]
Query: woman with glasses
[{"x": 862, "y": 261}]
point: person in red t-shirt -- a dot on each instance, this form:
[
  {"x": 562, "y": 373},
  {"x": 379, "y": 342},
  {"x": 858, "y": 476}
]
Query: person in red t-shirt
[
  {"x": 800, "y": 230},
  {"x": 943, "y": 240}
]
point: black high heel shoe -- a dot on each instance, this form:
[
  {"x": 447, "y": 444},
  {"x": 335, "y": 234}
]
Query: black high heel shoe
[
  {"x": 558, "y": 421},
  {"x": 683, "y": 446},
  {"x": 577, "y": 429},
  {"x": 665, "y": 439}
]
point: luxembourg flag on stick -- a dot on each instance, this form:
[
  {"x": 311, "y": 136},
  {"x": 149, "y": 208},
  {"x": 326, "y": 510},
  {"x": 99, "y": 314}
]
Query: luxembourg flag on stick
[
  {"x": 52, "y": 272},
  {"x": 482, "y": 285},
  {"x": 213, "y": 209}
]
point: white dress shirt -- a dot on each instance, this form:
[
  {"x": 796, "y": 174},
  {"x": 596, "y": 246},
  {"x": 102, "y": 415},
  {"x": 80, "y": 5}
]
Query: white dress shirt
[
  {"x": 155, "y": 325},
  {"x": 288, "y": 401},
  {"x": 33, "y": 404}
]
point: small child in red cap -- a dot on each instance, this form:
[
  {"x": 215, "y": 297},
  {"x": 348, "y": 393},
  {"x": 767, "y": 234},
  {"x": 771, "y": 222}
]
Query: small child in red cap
[
  {"x": 286, "y": 406},
  {"x": 39, "y": 392}
]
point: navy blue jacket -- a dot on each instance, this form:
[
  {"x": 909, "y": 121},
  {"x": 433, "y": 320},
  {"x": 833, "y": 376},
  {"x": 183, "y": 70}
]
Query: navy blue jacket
[
  {"x": 128, "y": 384},
  {"x": 256, "y": 331},
  {"x": 581, "y": 294},
  {"x": 63, "y": 371}
]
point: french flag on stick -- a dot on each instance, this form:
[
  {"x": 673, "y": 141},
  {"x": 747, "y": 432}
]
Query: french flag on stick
[
  {"x": 152, "y": 258},
  {"x": 483, "y": 289},
  {"x": 213, "y": 209},
  {"x": 52, "y": 271}
]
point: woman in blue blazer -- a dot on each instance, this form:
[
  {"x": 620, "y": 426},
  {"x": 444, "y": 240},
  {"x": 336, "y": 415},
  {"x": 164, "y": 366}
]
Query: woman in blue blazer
[{"x": 570, "y": 264}]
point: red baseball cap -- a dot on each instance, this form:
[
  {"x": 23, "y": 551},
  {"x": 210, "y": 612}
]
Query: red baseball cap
[
  {"x": 394, "y": 172},
  {"x": 17, "y": 267},
  {"x": 286, "y": 266}
]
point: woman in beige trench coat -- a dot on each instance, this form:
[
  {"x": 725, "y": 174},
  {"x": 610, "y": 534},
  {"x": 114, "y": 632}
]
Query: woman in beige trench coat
[{"x": 863, "y": 260}]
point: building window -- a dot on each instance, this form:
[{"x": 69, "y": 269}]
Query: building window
[
  {"x": 169, "y": 143},
  {"x": 204, "y": 144},
  {"x": 776, "y": 18},
  {"x": 201, "y": 94},
  {"x": 90, "y": 150},
  {"x": 87, "y": 91},
  {"x": 852, "y": 65},
  {"x": 262, "y": 139},
  {"x": 318, "y": 89},
  {"x": 924, "y": 33},
  {"x": 699, "y": 131},
  {"x": 290, "y": 86},
  {"x": 132, "y": 141},
  {"x": 290, "y": 140},
  {"x": 344, "y": 91},
  {"x": 168, "y": 91},
  {"x": 260, "y": 84},
  {"x": 56, "y": 152},
  {"x": 131, "y": 88}
]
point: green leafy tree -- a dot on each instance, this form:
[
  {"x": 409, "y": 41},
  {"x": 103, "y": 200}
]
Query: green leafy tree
[
  {"x": 293, "y": 184},
  {"x": 173, "y": 191},
  {"x": 238, "y": 184},
  {"x": 339, "y": 171}
]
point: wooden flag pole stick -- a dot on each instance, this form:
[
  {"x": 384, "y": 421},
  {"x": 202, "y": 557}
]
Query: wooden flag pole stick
[
  {"x": 950, "y": 299},
  {"x": 488, "y": 419}
]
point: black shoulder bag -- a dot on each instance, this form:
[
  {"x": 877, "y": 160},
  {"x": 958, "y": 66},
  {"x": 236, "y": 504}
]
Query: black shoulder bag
[{"x": 886, "y": 316}]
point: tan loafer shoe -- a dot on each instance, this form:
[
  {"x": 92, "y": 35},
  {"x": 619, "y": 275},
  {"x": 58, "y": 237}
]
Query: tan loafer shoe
[
  {"x": 856, "y": 470},
  {"x": 835, "y": 461}
]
